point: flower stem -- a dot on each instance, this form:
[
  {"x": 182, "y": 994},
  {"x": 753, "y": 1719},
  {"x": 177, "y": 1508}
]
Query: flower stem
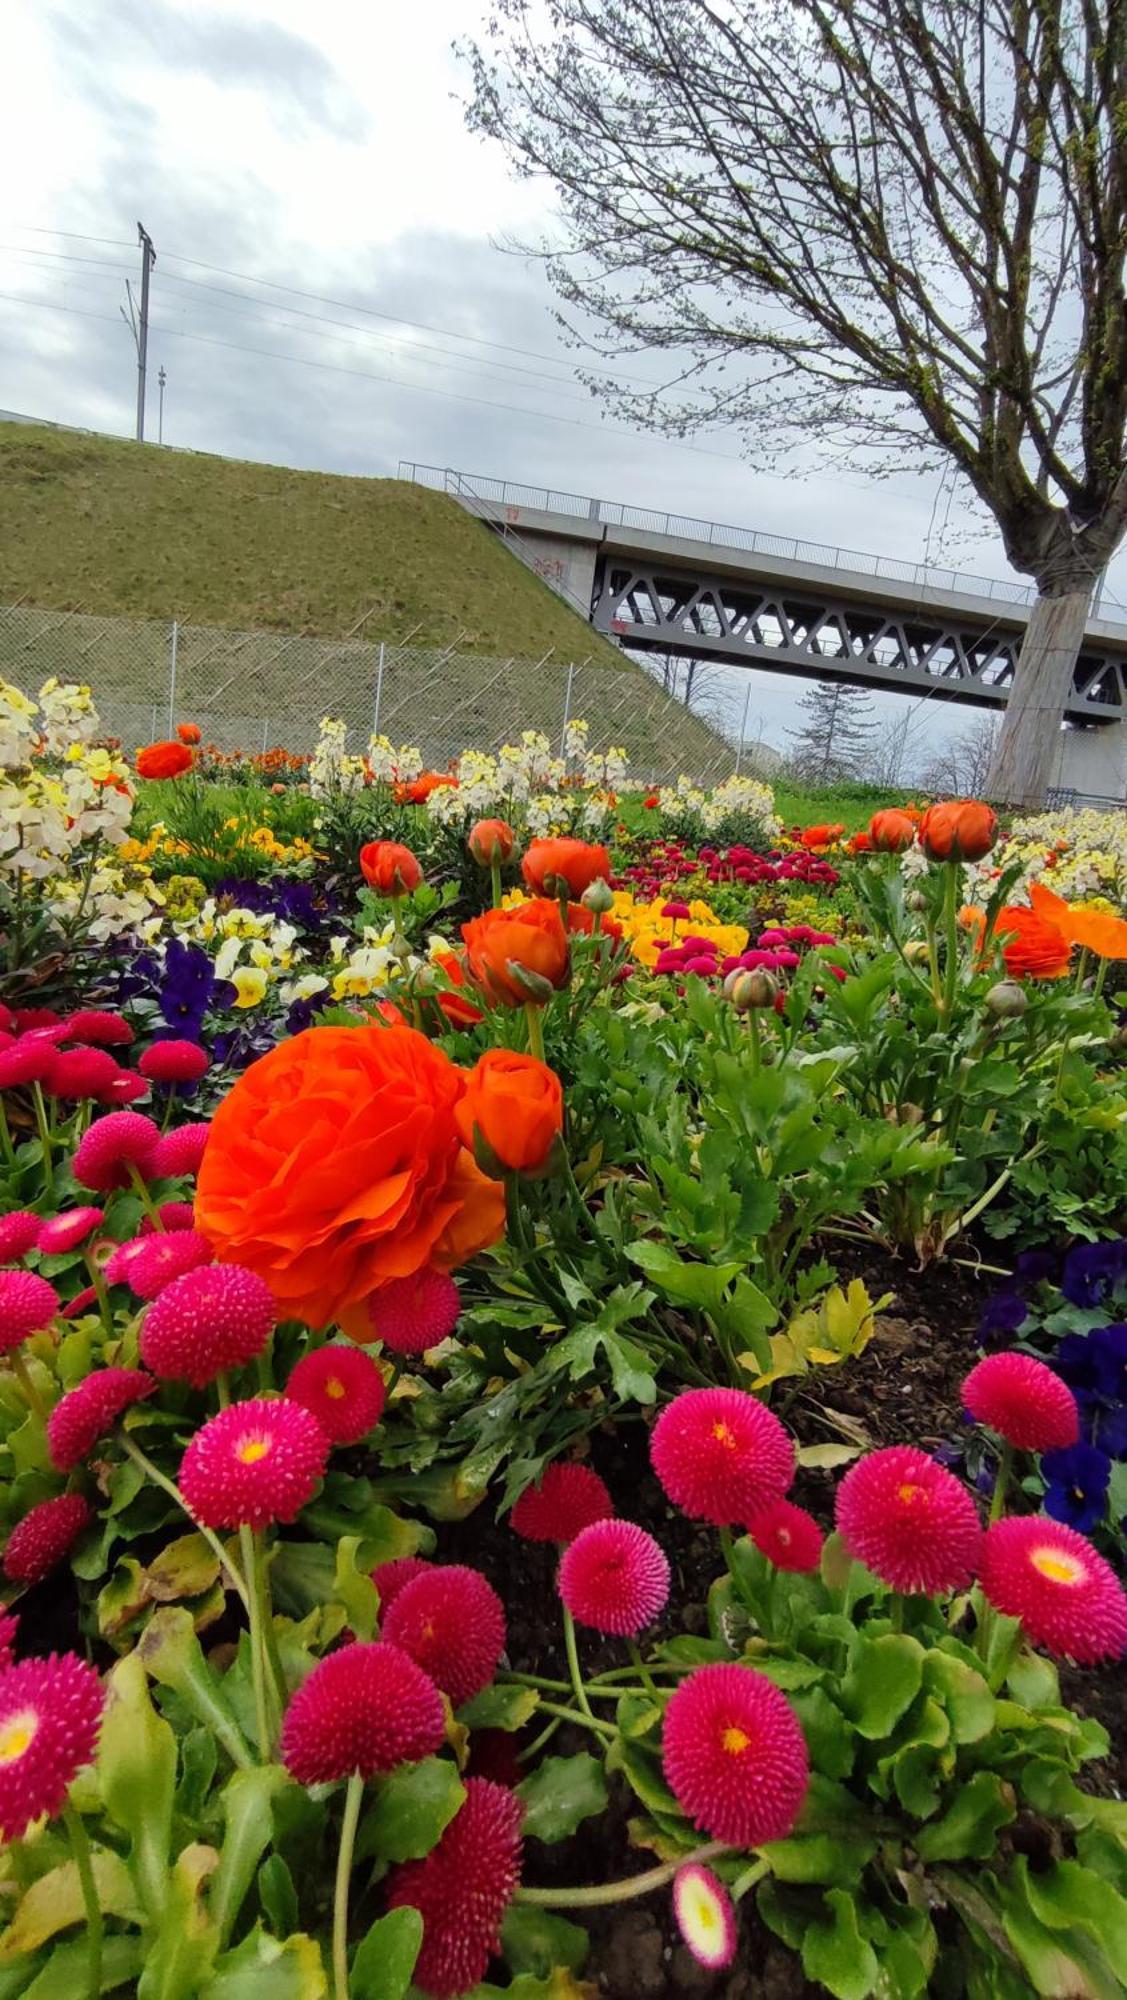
[
  {"x": 647, "y": 1678},
  {"x": 81, "y": 1848},
  {"x": 587, "y": 1720},
  {"x": 618, "y": 1892},
  {"x": 352, "y": 1802},
  {"x": 23, "y": 1376},
  {"x": 147, "y": 1202},
  {"x": 535, "y": 1030},
  {"x": 1005, "y": 1467},
  {"x": 249, "y": 1547},
  {"x": 99, "y": 1284},
  {"x": 145, "y": 1464},
  {"x": 6, "y": 1146},
  {"x": 573, "y": 1666},
  {"x": 495, "y": 878},
  {"x": 44, "y": 1130}
]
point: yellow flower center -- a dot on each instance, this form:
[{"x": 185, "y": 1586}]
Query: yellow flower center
[
  {"x": 910, "y": 1493},
  {"x": 1058, "y": 1567},
  {"x": 252, "y": 1449},
  {"x": 724, "y": 1436},
  {"x": 17, "y": 1735},
  {"x": 334, "y": 1387},
  {"x": 735, "y": 1741}
]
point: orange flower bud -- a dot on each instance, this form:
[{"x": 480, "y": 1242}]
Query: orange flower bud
[
  {"x": 959, "y": 830},
  {"x": 519, "y": 954},
  {"x": 390, "y": 868},
  {"x": 491, "y": 840},
  {"x": 573, "y": 863},
  {"x": 892, "y": 831},
  {"x": 514, "y": 1104}
]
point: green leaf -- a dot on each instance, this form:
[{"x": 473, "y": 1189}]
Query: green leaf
[
  {"x": 506, "y": 1708},
  {"x": 183, "y": 1946},
  {"x": 54, "y": 1902},
  {"x": 1069, "y": 1896},
  {"x": 277, "y": 1895},
  {"x": 969, "y": 1830},
  {"x": 64, "y": 1975},
  {"x": 411, "y": 1809},
  {"x": 137, "y": 1777},
  {"x": 265, "y": 1968},
  {"x": 819, "y": 1857},
  {"x": 537, "y": 1941},
  {"x": 884, "y": 1678},
  {"x": 171, "y": 1653},
  {"x": 1034, "y": 1681},
  {"x": 385, "y": 1958},
  {"x": 837, "y": 1954},
  {"x": 353, "y": 1586},
  {"x": 829, "y": 1738},
  {"x": 560, "y": 1794},
  {"x": 701, "y": 1285},
  {"x": 185, "y": 1568},
  {"x": 247, "y": 1800},
  {"x": 963, "y": 1692}
]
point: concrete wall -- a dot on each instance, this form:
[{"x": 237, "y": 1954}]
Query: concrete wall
[{"x": 1094, "y": 761}]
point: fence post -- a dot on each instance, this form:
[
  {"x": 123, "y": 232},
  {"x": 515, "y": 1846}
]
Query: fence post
[
  {"x": 265, "y": 727},
  {"x": 743, "y": 729},
  {"x": 567, "y": 707},
  {"x": 379, "y": 692},
  {"x": 173, "y": 649}
]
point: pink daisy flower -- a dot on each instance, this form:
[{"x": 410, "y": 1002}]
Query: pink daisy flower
[
  {"x": 65, "y": 1232},
  {"x": 112, "y": 1145},
  {"x": 78, "y": 1074},
  {"x": 50, "y": 1716},
  {"x": 29, "y": 1060},
  {"x": 174, "y": 1062},
  {"x": 734, "y": 1755},
  {"x": 462, "y": 1890},
  {"x": 341, "y": 1387},
  {"x": 45, "y": 1537},
  {"x": 721, "y": 1455},
  {"x": 180, "y": 1151},
  {"x": 256, "y": 1462},
  {"x": 211, "y": 1319},
  {"x": 148, "y": 1263},
  {"x": 452, "y": 1623},
  {"x": 614, "y": 1577},
  {"x": 27, "y": 1304},
  {"x": 363, "y": 1709},
  {"x": 705, "y": 1916},
  {"x": 173, "y": 1215},
  {"x": 1023, "y": 1401},
  {"x": 93, "y": 1024},
  {"x": 19, "y": 1233},
  {"x": 566, "y": 1499},
  {"x": 910, "y": 1521},
  {"x": 9, "y": 1628},
  {"x": 392, "y": 1577},
  {"x": 90, "y": 1411},
  {"x": 1067, "y": 1597},
  {"x": 788, "y": 1536},
  {"x": 411, "y": 1315}
]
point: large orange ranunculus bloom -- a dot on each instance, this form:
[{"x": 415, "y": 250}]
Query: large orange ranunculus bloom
[
  {"x": 189, "y": 732},
  {"x": 1032, "y": 947},
  {"x": 814, "y": 837},
  {"x": 516, "y": 1103},
  {"x": 892, "y": 831},
  {"x": 390, "y": 868},
  {"x": 163, "y": 760},
  {"x": 491, "y": 840},
  {"x": 1093, "y": 929},
  {"x": 575, "y": 863},
  {"x": 416, "y": 791},
  {"x": 529, "y": 936},
  {"x": 959, "y": 830},
  {"x": 335, "y": 1164}
]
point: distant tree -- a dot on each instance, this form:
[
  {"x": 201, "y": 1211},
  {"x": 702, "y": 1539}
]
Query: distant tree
[
  {"x": 835, "y": 734},
  {"x": 891, "y": 755},
  {"x": 894, "y": 228},
  {"x": 962, "y": 768}
]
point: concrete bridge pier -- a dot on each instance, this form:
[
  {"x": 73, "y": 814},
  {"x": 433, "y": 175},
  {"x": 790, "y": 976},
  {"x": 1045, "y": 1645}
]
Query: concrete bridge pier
[{"x": 1093, "y": 762}]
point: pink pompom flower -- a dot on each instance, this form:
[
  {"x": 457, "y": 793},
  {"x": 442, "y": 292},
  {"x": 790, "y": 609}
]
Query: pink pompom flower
[
  {"x": 9, "y": 1628},
  {"x": 788, "y": 1536},
  {"x": 342, "y": 1387},
  {"x": 363, "y": 1710},
  {"x": 1067, "y": 1597},
  {"x": 705, "y": 1916},
  {"x": 113, "y": 1144},
  {"x": 45, "y": 1537},
  {"x": 213, "y": 1318},
  {"x": 910, "y": 1521},
  {"x": 148, "y": 1263},
  {"x": 174, "y": 1062},
  {"x": 564, "y": 1501},
  {"x": 1023, "y": 1401},
  {"x": 50, "y": 1716},
  {"x": 29, "y": 1060},
  {"x": 102, "y": 1029},
  {"x": 721, "y": 1455},
  {"x": 90, "y": 1411},
  {"x": 65, "y": 1232},
  {"x": 179, "y": 1152},
  {"x": 462, "y": 1890},
  {"x": 79, "y": 1074},
  {"x": 411, "y": 1315},
  {"x": 392, "y": 1577},
  {"x": 173, "y": 1215},
  {"x": 256, "y": 1462},
  {"x": 19, "y": 1233},
  {"x": 452, "y": 1623},
  {"x": 734, "y": 1755},
  {"x": 27, "y": 1304},
  {"x": 615, "y": 1578}
]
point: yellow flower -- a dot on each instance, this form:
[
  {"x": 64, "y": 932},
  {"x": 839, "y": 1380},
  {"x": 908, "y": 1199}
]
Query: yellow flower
[{"x": 250, "y": 985}]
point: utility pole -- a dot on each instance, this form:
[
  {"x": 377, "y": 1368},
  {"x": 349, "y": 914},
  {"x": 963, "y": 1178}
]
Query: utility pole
[
  {"x": 148, "y": 259},
  {"x": 161, "y": 380}
]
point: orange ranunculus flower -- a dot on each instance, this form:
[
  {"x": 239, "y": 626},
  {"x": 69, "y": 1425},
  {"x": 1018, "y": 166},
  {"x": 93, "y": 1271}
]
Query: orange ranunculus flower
[
  {"x": 416, "y": 791},
  {"x": 574, "y": 863},
  {"x": 491, "y": 840},
  {"x": 335, "y": 1165},
  {"x": 516, "y": 1104},
  {"x": 390, "y": 868},
  {"x": 861, "y": 843},
  {"x": 892, "y": 831},
  {"x": 457, "y": 1007},
  {"x": 814, "y": 837},
  {"x": 581, "y": 919},
  {"x": 960, "y": 830},
  {"x": 188, "y": 732},
  {"x": 529, "y": 938},
  {"x": 163, "y": 760},
  {"x": 1093, "y": 929},
  {"x": 1032, "y": 948}
]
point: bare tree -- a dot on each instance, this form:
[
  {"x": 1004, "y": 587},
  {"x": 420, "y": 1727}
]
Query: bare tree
[
  {"x": 835, "y": 734},
  {"x": 890, "y": 755},
  {"x": 888, "y": 225},
  {"x": 962, "y": 767}
]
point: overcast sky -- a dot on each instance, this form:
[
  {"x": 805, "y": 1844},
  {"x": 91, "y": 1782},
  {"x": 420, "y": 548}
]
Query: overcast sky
[{"x": 321, "y": 150}]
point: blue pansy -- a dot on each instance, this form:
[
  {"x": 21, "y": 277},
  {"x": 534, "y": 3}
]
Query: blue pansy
[
  {"x": 1077, "y": 1484},
  {"x": 1091, "y": 1270},
  {"x": 1002, "y": 1316}
]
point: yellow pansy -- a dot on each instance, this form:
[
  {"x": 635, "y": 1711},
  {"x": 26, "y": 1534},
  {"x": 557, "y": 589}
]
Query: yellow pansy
[{"x": 250, "y": 983}]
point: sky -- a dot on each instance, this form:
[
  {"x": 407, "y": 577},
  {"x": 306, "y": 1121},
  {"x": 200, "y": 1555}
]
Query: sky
[{"x": 333, "y": 287}]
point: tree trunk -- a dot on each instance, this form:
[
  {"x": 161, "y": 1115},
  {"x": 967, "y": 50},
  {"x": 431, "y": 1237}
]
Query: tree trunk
[{"x": 1025, "y": 757}]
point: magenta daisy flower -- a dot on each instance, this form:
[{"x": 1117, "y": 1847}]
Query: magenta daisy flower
[
  {"x": 463, "y": 1889},
  {"x": 362, "y": 1710},
  {"x": 174, "y": 1062},
  {"x": 207, "y": 1321},
  {"x": 452, "y": 1622},
  {"x": 1067, "y": 1597},
  {"x": 27, "y": 1305},
  {"x": 1023, "y": 1401},
  {"x": 411, "y": 1315},
  {"x": 103, "y": 1029},
  {"x": 173, "y": 1215},
  {"x": 721, "y": 1455},
  {"x": 78, "y": 1074},
  {"x": 91, "y": 1410},
  {"x": 113, "y": 1144},
  {"x": 909, "y": 1521},
  {"x": 788, "y": 1536},
  {"x": 150, "y": 1262},
  {"x": 392, "y": 1577},
  {"x": 565, "y": 1500},
  {"x": 19, "y": 1233},
  {"x": 65, "y": 1232},
  {"x": 341, "y": 1387},
  {"x": 614, "y": 1577},
  {"x": 180, "y": 1151},
  {"x": 45, "y": 1537},
  {"x": 734, "y": 1755},
  {"x": 50, "y": 1715},
  {"x": 705, "y": 1916},
  {"x": 9, "y": 1628},
  {"x": 256, "y": 1462}
]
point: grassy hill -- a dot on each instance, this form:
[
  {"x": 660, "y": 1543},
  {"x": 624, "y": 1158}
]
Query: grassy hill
[{"x": 104, "y": 528}]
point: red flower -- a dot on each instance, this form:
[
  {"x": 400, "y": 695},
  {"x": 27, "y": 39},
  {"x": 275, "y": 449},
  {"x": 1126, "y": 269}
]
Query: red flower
[
  {"x": 614, "y": 1577},
  {"x": 50, "y": 1716},
  {"x": 1067, "y": 1597},
  {"x": 147, "y": 1264},
  {"x": 256, "y": 1462},
  {"x": 174, "y": 1215},
  {"x": 734, "y": 1754},
  {"x": 411, "y": 1315},
  {"x": 651, "y": 802},
  {"x": 105, "y": 1153},
  {"x": 180, "y": 1152},
  {"x": 459, "y": 1011},
  {"x": 364, "y": 1709},
  {"x": 1023, "y": 1401},
  {"x": 27, "y": 1305},
  {"x": 9, "y": 1627},
  {"x": 217, "y": 1317},
  {"x": 721, "y": 1455},
  {"x": 462, "y": 1890},
  {"x": 909, "y": 1520},
  {"x": 44, "y": 1538},
  {"x": 61, "y": 1233},
  {"x": 164, "y": 760},
  {"x": 572, "y": 864},
  {"x": 78, "y": 1074},
  {"x": 188, "y": 732},
  {"x": 342, "y": 1388},
  {"x": 564, "y": 1501},
  {"x": 19, "y": 1233},
  {"x": 96, "y": 1025},
  {"x": 390, "y": 868},
  {"x": 27, "y": 1061},
  {"x": 788, "y": 1536},
  {"x": 174, "y": 1062},
  {"x": 392, "y": 1577},
  {"x": 452, "y": 1623},
  {"x": 491, "y": 840},
  {"x": 91, "y": 1410}
]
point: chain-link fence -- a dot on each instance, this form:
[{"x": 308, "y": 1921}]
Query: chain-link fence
[{"x": 266, "y": 690}]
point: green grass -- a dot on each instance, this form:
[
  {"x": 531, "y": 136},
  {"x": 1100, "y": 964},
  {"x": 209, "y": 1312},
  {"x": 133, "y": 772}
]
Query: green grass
[{"x": 850, "y": 805}]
